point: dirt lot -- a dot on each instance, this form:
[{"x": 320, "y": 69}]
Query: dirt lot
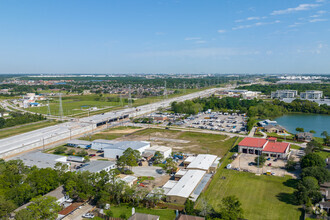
[{"x": 277, "y": 167}]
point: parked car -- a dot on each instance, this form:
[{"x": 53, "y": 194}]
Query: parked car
[
  {"x": 88, "y": 215},
  {"x": 268, "y": 158},
  {"x": 92, "y": 155},
  {"x": 269, "y": 164}
]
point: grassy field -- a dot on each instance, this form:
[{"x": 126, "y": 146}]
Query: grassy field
[
  {"x": 111, "y": 133},
  {"x": 7, "y": 132},
  {"x": 198, "y": 142},
  {"x": 165, "y": 214},
  {"x": 262, "y": 197},
  {"x": 323, "y": 154}
]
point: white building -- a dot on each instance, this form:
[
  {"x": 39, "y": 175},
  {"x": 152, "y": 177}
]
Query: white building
[
  {"x": 281, "y": 94},
  {"x": 98, "y": 166},
  {"x": 116, "y": 150},
  {"x": 41, "y": 160},
  {"x": 165, "y": 151},
  {"x": 180, "y": 191},
  {"x": 204, "y": 162},
  {"x": 129, "y": 180},
  {"x": 100, "y": 144},
  {"x": 311, "y": 95}
]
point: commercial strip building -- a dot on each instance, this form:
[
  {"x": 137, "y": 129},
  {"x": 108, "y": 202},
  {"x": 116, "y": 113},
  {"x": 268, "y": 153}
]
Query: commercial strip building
[
  {"x": 205, "y": 162},
  {"x": 100, "y": 144},
  {"x": 269, "y": 147}
]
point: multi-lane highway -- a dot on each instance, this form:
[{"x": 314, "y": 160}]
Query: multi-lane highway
[{"x": 49, "y": 135}]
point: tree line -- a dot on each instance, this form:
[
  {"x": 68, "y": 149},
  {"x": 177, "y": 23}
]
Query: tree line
[
  {"x": 17, "y": 118},
  {"x": 253, "y": 108}
]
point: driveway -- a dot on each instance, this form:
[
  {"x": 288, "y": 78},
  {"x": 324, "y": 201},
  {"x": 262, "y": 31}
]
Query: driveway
[
  {"x": 147, "y": 171},
  {"x": 77, "y": 214}
]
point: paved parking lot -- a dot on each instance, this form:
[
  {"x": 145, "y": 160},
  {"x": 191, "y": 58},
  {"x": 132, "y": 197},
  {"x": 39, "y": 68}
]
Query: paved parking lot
[
  {"x": 218, "y": 121},
  {"x": 277, "y": 168},
  {"x": 147, "y": 171}
]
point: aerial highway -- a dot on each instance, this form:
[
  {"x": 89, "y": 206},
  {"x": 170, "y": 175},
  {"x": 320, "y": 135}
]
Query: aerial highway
[{"x": 75, "y": 127}]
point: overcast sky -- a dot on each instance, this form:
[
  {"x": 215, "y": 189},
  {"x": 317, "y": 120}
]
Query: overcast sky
[{"x": 155, "y": 36}]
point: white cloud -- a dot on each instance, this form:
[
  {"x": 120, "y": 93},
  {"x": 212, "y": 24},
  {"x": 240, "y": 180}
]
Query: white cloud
[
  {"x": 222, "y": 31},
  {"x": 257, "y": 24},
  {"x": 253, "y": 18},
  {"x": 317, "y": 20},
  {"x": 200, "y": 42},
  {"x": 320, "y": 0},
  {"x": 239, "y": 20},
  {"x": 301, "y": 7},
  {"x": 269, "y": 52},
  {"x": 192, "y": 38}
]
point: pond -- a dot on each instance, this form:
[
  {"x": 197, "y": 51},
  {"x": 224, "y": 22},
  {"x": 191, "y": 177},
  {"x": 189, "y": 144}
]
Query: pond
[{"x": 316, "y": 122}]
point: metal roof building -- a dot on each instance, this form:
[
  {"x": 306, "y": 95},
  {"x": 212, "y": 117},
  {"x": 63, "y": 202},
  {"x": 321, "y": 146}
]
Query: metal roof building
[
  {"x": 166, "y": 151},
  {"x": 182, "y": 190},
  {"x": 100, "y": 144},
  {"x": 40, "y": 160},
  {"x": 98, "y": 166},
  {"x": 116, "y": 150},
  {"x": 79, "y": 143},
  {"x": 202, "y": 162}
]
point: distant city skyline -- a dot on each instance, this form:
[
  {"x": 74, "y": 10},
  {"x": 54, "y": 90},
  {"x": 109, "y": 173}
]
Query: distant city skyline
[{"x": 165, "y": 36}]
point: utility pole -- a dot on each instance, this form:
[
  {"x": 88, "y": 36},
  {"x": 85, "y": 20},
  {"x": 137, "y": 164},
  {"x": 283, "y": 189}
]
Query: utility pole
[
  {"x": 60, "y": 107},
  {"x": 165, "y": 91},
  {"x": 48, "y": 107},
  {"x": 129, "y": 96}
]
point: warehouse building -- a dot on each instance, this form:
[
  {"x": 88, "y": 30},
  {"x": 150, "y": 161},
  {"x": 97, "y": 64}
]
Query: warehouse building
[
  {"x": 41, "y": 160},
  {"x": 311, "y": 95},
  {"x": 79, "y": 143},
  {"x": 281, "y": 94},
  {"x": 98, "y": 166},
  {"x": 205, "y": 162},
  {"x": 116, "y": 150},
  {"x": 165, "y": 151},
  {"x": 179, "y": 191},
  {"x": 269, "y": 147},
  {"x": 100, "y": 144}
]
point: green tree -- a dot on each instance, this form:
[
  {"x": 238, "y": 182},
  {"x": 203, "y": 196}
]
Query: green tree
[
  {"x": 158, "y": 157},
  {"x": 189, "y": 207},
  {"x": 322, "y": 174},
  {"x": 261, "y": 159},
  {"x": 308, "y": 190},
  {"x": 60, "y": 150},
  {"x": 82, "y": 153},
  {"x": 324, "y": 134},
  {"x": 231, "y": 208},
  {"x": 300, "y": 129},
  {"x": 312, "y": 131},
  {"x": 170, "y": 165},
  {"x": 44, "y": 207},
  {"x": 313, "y": 146},
  {"x": 6, "y": 207},
  {"x": 24, "y": 214},
  {"x": 290, "y": 165},
  {"x": 71, "y": 152},
  {"x": 312, "y": 160}
]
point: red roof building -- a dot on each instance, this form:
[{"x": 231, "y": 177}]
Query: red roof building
[
  {"x": 253, "y": 142},
  {"x": 270, "y": 147}
]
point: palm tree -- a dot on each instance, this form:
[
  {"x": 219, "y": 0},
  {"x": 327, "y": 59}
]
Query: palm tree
[{"x": 325, "y": 134}]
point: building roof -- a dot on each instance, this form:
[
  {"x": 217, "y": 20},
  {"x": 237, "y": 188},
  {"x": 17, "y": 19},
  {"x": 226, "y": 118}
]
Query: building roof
[
  {"x": 97, "y": 166},
  {"x": 105, "y": 141},
  {"x": 186, "y": 185},
  {"x": 41, "y": 160},
  {"x": 253, "y": 142},
  {"x": 276, "y": 147},
  {"x": 270, "y": 126},
  {"x": 304, "y": 135},
  {"x": 189, "y": 159},
  {"x": 190, "y": 217},
  {"x": 202, "y": 161},
  {"x": 123, "y": 145},
  {"x": 76, "y": 141},
  {"x": 170, "y": 184},
  {"x": 142, "y": 216},
  {"x": 129, "y": 179},
  {"x": 159, "y": 148},
  {"x": 181, "y": 172}
]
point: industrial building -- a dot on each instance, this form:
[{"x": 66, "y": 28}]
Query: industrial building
[
  {"x": 165, "y": 151},
  {"x": 98, "y": 166},
  {"x": 205, "y": 162},
  {"x": 116, "y": 150},
  {"x": 311, "y": 95},
  {"x": 129, "y": 180},
  {"x": 79, "y": 143},
  {"x": 100, "y": 144},
  {"x": 41, "y": 160},
  {"x": 180, "y": 191},
  {"x": 281, "y": 94},
  {"x": 269, "y": 147}
]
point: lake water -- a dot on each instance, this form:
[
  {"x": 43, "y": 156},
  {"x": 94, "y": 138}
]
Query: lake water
[{"x": 318, "y": 123}]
